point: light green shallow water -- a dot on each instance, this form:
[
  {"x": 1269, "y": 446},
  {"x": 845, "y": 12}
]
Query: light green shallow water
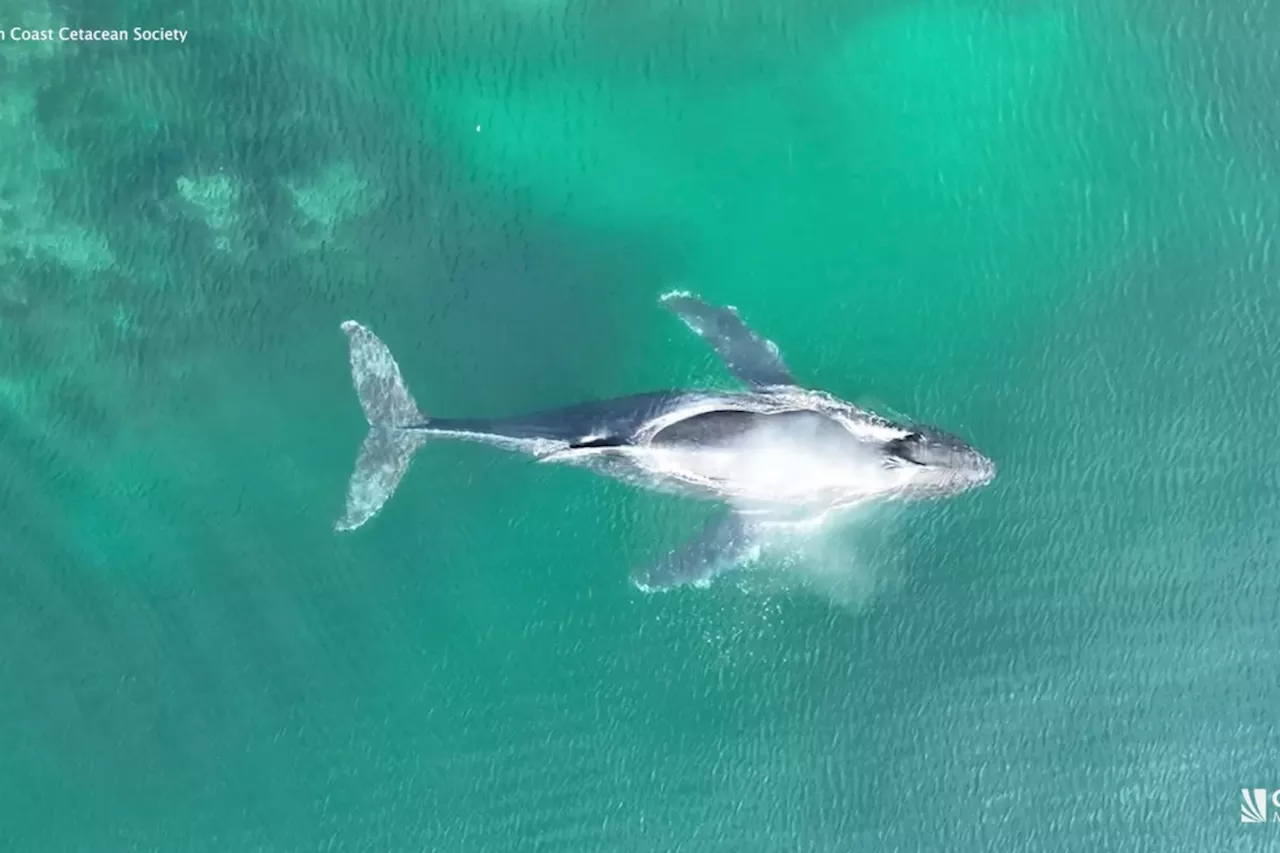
[{"x": 1048, "y": 226}]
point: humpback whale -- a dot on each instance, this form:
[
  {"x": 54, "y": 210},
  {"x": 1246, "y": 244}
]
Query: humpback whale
[{"x": 772, "y": 453}]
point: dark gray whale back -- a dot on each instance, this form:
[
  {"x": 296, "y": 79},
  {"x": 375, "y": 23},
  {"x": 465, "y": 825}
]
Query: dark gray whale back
[{"x": 723, "y": 426}]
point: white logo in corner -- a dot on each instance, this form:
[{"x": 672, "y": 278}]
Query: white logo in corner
[{"x": 1253, "y": 805}]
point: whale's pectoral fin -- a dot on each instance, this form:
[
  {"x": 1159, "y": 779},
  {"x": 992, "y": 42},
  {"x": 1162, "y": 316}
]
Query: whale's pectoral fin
[
  {"x": 722, "y": 544},
  {"x": 751, "y": 358}
]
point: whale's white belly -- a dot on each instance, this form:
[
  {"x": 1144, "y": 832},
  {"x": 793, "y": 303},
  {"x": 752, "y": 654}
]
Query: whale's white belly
[{"x": 775, "y": 469}]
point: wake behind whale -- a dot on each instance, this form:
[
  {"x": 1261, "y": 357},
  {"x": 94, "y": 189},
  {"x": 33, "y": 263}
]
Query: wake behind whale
[{"x": 775, "y": 457}]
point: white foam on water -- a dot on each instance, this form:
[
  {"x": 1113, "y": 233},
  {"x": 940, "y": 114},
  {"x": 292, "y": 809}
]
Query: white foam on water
[{"x": 843, "y": 560}]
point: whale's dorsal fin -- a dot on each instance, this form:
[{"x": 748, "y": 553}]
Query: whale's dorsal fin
[
  {"x": 751, "y": 358},
  {"x": 723, "y": 543}
]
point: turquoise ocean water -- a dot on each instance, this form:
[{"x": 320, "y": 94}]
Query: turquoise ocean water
[{"x": 1049, "y": 226}]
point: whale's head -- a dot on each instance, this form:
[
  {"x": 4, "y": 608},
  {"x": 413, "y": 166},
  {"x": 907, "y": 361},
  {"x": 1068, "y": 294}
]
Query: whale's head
[{"x": 942, "y": 463}]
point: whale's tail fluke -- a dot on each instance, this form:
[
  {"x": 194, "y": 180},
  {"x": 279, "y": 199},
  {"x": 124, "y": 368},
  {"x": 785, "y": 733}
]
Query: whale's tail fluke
[{"x": 392, "y": 415}]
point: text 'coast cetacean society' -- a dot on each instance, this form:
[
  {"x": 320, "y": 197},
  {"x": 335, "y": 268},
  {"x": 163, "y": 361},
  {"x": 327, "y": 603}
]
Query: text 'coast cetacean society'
[{"x": 71, "y": 34}]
